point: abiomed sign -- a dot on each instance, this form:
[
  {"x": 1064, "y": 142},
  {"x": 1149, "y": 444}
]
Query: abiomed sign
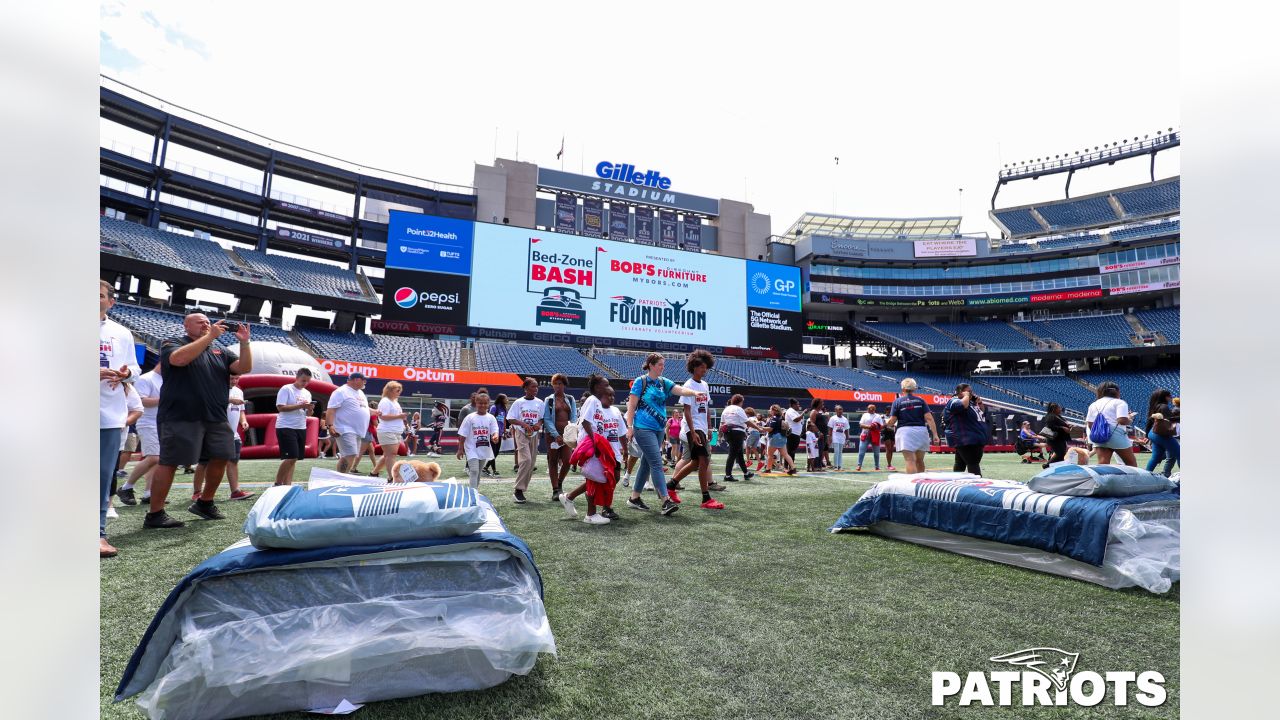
[{"x": 626, "y": 182}]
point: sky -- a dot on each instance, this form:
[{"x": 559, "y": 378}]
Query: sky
[{"x": 732, "y": 100}]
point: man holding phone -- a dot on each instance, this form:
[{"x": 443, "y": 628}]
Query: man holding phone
[
  {"x": 294, "y": 404},
  {"x": 192, "y": 415}
]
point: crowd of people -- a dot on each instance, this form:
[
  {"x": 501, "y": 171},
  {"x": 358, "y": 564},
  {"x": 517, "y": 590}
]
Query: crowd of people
[{"x": 198, "y": 418}]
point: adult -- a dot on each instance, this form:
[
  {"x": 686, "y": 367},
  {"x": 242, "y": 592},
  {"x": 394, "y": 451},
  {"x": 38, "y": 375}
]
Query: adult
[
  {"x": 192, "y": 414},
  {"x": 914, "y": 426},
  {"x": 148, "y": 388},
  {"x": 646, "y": 422},
  {"x": 525, "y": 418},
  {"x": 499, "y": 412},
  {"x": 1119, "y": 417},
  {"x": 754, "y": 432},
  {"x": 818, "y": 416},
  {"x": 695, "y": 428},
  {"x": 838, "y": 435},
  {"x": 1028, "y": 443},
  {"x": 293, "y": 405},
  {"x": 795, "y": 427},
  {"x": 778, "y": 430},
  {"x": 347, "y": 417},
  {"x": 869, "y": 427},
  {"x": 391, "y": 419},
  {"x": 559, "y": 411},
  {"x": 117, "y": 364},
  {"x": 1056, "y": 432},
  {"x": 1161, "y": 416},
  {"x": 734, "y": 422},
  {"x": 967, "y": 429}
]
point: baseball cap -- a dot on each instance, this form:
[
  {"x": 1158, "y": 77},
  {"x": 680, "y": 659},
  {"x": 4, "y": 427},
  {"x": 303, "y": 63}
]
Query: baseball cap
[{"x": 356, "y": 376}]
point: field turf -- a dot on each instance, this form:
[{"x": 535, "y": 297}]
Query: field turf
[{"x": 755, "y": 611}]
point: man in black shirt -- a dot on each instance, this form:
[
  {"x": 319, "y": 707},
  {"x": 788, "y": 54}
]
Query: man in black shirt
[{"x": 192, "y": 415}]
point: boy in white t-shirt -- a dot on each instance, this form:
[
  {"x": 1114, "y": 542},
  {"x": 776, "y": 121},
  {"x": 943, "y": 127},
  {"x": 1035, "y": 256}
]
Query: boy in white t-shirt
[
  {"x": 838, "y": 426},
  {"x": 695, "y": 429},
  {"x": 477, "y": 432}
]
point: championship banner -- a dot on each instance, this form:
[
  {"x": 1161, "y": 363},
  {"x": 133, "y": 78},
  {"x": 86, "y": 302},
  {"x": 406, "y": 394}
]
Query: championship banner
[
  {"x": 667, "y": 230},
  {"x": 344, "y": 368},
  {"x": 566, "y": 213},
  {"x": 592, "y": 217},
  {"x": 619, "y": 228},
  {"x": 692, "y": 228},
  {"x": 644, "y": 226}
]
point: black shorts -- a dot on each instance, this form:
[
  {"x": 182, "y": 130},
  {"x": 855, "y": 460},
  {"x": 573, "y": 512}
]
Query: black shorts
[
  {"x": 188, "y": 442},
  {"x": 293, "y": 443},
  {"x": 793, "y": 444},
  {"x": 692, "y": 450},
  {"x": 235, "y": 456}
]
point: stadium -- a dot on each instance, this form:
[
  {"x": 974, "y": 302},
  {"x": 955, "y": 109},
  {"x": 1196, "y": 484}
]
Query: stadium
[{"x": 527, "y": 271}]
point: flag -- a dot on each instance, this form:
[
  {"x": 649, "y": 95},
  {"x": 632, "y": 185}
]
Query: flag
[
  {"x": 561, "y": 148},
  {"x": 837, "y": 159}
]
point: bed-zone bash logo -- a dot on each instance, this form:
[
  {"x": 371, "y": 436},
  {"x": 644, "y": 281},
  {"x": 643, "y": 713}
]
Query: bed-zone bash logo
[
  {"x": 667, "y": 314},
  {"x": 1048, "y": 678}
]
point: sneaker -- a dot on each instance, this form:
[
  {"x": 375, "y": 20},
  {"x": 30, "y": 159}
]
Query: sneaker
[
  {"x": 713, "y": 504},
  {"x": 609, "y": 514},
  {"x": 495, "y": 474},
  {"x": 626, "y": 480},
  {"x": 749, "y": 475},
  {"x": 792, "y": 471},
  {"x": 208, "y": 511},
  {"x": 160, "y": 519},
  {"x": 111, "y": 513},
  {"x": 122, "y": 473},
  {"x": 145, "y": 499},
  {"x": 669, "y": 507},
  {"x": 241, "y": 495},
  {"x": 105, "y": 549},
  {"x": 730, "y": 478},
  {"x": 126, "y": 496},
  {"x": 569, "y": 510},
  {"x": 596, "y": 519},
  {"x": 555, "y": 495},
  {"x": 519, "y": 496},
  {"x": 877, "y": 470},
  {"x": 674, "y": 497},
  {"x": 759, "y": 466},
  {"x": 433, "y": 454},
  {"x": 716, "y": 487},
  {"x": 858, "y": 469},
  {"x": 891, "y": 468},
  {"x": 637, "y": 504}
]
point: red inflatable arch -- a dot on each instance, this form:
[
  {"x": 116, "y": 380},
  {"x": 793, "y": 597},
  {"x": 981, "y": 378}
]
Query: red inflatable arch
[{"x": 260, "y": 393}]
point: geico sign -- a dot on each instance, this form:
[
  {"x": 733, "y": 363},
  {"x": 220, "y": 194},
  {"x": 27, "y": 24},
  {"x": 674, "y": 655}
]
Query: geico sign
[{"x": 428, "y": 375}]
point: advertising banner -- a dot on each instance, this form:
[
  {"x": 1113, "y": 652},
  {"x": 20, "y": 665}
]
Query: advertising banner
[
  {"x": 1139, "y": 264},
  {"x": 606, "y": 288},
  {"x": 867, "y": 396},
  {"x": 343, "y": 368},
  {"x": 1145, "y": 287},
  {"x": 312, "y": 212},
  {"x": 950, "y": 247},
  {"x": 424, "y": 297},
  {"x": 775, "y": 329},
  {"x": 566, "y": 213},
  {"x": 692, "y": 232},
  {"x": 306, "y": 238},
  {"x": 644, "y": 226},
  {"x": 428, "y": 242},
  {"x": 592, "y": 217},
  {"x": 666, "y": 229},
  {"x": 771, "y": 286},
  {"x": 972, "y": 301},
  {"x": 619, "y": 225}
]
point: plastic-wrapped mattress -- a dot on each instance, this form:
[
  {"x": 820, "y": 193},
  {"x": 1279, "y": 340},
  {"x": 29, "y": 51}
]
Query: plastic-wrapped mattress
[{"x": 253, "y": 631}]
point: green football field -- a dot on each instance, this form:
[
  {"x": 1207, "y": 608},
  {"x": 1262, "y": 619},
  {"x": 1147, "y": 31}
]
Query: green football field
[{"x": 754, "y": 611}]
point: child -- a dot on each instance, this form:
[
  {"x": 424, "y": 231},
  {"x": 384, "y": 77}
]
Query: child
[
  {"x": 811, "y": 446},
  {"x": 694, "y": 428},
  {"x": 476, "y": 431},
  {"x": 598, "y": 417},
  {"x": 415, "y": 471}
]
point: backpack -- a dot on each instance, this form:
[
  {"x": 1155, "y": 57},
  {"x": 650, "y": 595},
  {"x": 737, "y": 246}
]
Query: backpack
[{"x": 1100, "y": 431}]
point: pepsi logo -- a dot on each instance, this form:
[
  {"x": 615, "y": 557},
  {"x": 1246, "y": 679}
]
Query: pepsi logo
[{"x": 406, "y": 297}]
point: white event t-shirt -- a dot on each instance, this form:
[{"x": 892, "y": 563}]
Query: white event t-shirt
[
  {"x": 148, "y": 386},
  {"x": 477, "y": 432},
  {"x": 1109, "y": 407},
  {"x": 527, "y": 411},
  {"x": 352, "y": 410},
  {"x": 733, "y": 417},
  {"x": 387, "y": 406},
  {"x": 795, "y": 419},
  {"x": 233, "y": 411},
  {"x": 839, "y": 426},
  {"x": 700, "y": 405},
  {"x": 293, "y": 419},
  {"x": 811, "y": 444}
]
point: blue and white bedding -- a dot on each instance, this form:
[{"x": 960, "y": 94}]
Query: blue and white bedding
[
  {"x": 253, "y": 631},
  {"x": 1002, "y": 511}
]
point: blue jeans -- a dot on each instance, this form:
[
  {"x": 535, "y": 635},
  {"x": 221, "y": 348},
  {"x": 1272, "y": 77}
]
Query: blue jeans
[
  {"x": 650, "y": 442},
  {"x": 108, "y": 456},
  {"x": 862, "y": 451},
  {"x": 838, "y": 449},
  {"x": 1163, "y": 448}
]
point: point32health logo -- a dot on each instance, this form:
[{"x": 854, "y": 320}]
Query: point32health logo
[{"x": 1048, "y": 678}]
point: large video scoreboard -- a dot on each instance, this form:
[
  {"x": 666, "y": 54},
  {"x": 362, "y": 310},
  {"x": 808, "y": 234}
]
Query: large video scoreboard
[{"x": 464, "y": 274}]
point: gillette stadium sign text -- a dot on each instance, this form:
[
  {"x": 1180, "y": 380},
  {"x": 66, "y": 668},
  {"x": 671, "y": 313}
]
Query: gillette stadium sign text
[{"x": 630, "y": 183}]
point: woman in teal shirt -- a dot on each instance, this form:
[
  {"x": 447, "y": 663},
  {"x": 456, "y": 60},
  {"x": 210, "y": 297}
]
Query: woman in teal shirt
[{"x": 646, "y": 423}]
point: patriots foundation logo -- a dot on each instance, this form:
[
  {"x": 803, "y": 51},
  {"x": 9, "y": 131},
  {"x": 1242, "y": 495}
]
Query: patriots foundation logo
[{"x": 1048, "y": 677}]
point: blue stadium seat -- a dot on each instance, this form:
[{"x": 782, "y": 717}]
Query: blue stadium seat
[
  {"x": 1019, "y": 222},
  {"x": 384, "y": 349},
  {"x": 919, "y": 333},
  {"x": 995, "y": 335},
  {"x": 540, "y": 359},
  {"x": 1107, "y": 331},
  {"x": 1164, "y": 320},
  {"x": 165, "y": 248},
  {"x": 1077, "y": 213},
  {"x": 162, "y": 325},
  {"x": 1163, "y": 198},
  {"x": 305, "y": 275}
]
